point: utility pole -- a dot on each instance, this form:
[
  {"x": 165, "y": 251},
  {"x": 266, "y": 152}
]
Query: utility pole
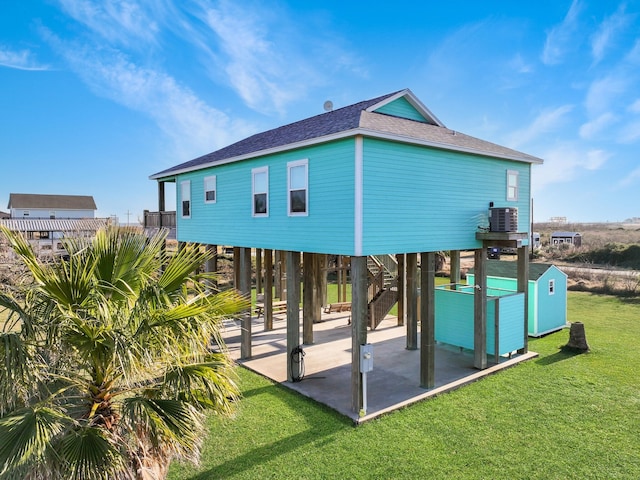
[{"x": 128, "y": 215}]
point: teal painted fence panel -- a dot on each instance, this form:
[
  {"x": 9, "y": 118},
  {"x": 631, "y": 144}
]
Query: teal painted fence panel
[
  {"x": 328, "y": 228},
  {"x": 401, "y": 108},
  {"x": 511, "y": 336},
  {"x": 417, "y": 199},
  {"x": 546, "y": 312},
  {"x": 454, "y": 320}
]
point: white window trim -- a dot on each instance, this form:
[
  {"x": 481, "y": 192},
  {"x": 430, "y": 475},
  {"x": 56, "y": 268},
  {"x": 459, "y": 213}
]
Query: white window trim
[
  {"x": 552, "y": 286},
  {"x": 291, "y": 165},
  {"x": 255, "y": 171},
  {"x": 211, "y": 179},
  {"x": 185, "y": 188},
  {"x": 513, "y": 198}
]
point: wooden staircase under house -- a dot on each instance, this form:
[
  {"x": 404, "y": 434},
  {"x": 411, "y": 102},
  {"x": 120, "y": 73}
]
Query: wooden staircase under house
[{"x": 382, "y": 293}]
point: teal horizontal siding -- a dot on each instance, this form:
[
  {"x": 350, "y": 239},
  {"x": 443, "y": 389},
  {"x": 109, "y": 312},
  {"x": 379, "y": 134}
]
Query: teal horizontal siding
[
  {"x": 455, "y": 322},
  {"x": 328, "y": 228},
  {"x": 422, "y": 199},
  {"x": 511, "y": 323},
  {"x": 552, "y": 309},
  {"x": 401, "y": 108},
  {"x": 546, "y": 312}
]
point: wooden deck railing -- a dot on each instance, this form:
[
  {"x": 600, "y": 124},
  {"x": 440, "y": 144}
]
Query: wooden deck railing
[{"x": 152, "y": 219}]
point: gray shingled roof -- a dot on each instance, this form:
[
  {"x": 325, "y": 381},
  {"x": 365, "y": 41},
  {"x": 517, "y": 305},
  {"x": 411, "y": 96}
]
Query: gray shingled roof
[
  {"x": 60, "y": 202},
  {"x": 355, "y": 119},
  {"x": 502, "y": 269}
]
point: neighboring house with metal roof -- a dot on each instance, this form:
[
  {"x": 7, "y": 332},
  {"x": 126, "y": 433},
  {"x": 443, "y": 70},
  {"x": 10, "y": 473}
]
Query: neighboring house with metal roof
[
  {"x": 29, "y": 205},
  {"x": 380, "y": 178},
  {"x": 4, "y": 215},
  {"x": 547, "y": 292},
  {"x": 45, "y": 235},
  {"x": 566, "y": 238}
]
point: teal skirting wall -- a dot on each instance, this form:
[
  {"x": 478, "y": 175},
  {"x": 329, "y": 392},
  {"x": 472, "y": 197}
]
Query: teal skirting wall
[{"x": 454, "y": 318}]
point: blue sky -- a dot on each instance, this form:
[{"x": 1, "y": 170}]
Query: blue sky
[{"x": 95, "y": 96}]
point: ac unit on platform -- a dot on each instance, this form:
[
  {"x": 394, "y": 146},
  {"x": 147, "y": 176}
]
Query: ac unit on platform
[{"x": 503, "y": 219}]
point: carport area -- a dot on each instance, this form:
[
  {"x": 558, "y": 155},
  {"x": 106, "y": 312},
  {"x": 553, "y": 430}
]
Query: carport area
[{"x": 394, "y": 381}]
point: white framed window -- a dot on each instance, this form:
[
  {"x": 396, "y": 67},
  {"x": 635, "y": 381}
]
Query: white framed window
[
  {"x": 185, "y": 197},
  {"x": 210, "y": 189},
  {"x": 260, "y": 191},
  {"x": 512, "y": 185},
  {"x": 298, "y": 187},
  {"x": 552, "y": 286}
]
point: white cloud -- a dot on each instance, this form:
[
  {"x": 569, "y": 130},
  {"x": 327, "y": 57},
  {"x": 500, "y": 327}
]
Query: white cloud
[
  {"x": 604, "y": 91},
  {"x": 630, "y": 133},
  {"x": 118, "y": 21},
  {"x": 518, "y": 64},
  {"x": 635, "y": 106},
  {"x": 593, "y": 127},
  {"x": 564, "y": 162},
  {"x": 264, "y": 54},
  {"x": 546, "y": 122},
  {"x": 595, "y": 159},
  {"x": 611, "y": 26},
  {"x": 630, "y": 178},
  {"x": 194, "y": 126},
  {"x": 633, "y": 56},
  {"x": 560, "y": 38},
  {"x": 20, "y": 60}
]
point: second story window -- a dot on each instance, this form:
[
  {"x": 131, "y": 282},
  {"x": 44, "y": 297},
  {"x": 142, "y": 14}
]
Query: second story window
[
  {"x": 210, "y": 189},
  {"x": 260, "y": 190},
  {"x": 185, "y": 196},
  {"x": 512, "y": 185},
  {"x": 298, "y": 180}
]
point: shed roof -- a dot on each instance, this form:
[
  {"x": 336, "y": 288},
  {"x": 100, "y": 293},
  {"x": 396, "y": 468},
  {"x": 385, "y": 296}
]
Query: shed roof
[
  {"x": 359, "y": 118},
  {"x": 565, "y": 234},
  {"x": 63, "y": 202},
  {"x": 54, "y": 225},
  {"x": 502, "y": 269}
]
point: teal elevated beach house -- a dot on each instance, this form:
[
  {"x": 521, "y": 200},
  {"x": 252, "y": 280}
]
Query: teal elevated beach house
[{"x": 380, "y": 184}]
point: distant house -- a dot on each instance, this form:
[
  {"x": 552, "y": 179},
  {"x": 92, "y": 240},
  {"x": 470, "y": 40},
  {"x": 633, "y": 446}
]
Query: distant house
[
  {"x": 547, "y": 292},
  {"x": 4, "y": 215},
  {"x": 30, "y": 205},
  {"x": 45, "y": 220},
  {"x": 571, "y": 238}
]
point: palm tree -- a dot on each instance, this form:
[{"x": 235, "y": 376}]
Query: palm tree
[{"x": 110, "y": 359}]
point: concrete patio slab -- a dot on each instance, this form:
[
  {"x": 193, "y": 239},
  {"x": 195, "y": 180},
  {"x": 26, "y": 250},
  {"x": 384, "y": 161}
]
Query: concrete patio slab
[{"x": 394, "y": 382}]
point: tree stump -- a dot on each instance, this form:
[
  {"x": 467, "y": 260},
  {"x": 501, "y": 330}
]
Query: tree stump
[{"x": 577, "y": 338}]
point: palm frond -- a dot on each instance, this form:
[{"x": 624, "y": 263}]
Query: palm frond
[
  {"x": 170, "y": 425},
  {"x": 26, "y": 434},
  {"x": 16, "y": 371},
  {"x": 89, "y": 454},
  {"x": 181, "y": 267},
  {"x": 210, "y": 384}
]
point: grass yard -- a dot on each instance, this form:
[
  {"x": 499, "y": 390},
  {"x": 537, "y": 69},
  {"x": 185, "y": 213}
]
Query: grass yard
[{"x": 560, "y": 416}]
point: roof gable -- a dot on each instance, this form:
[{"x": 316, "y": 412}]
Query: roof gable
[
  {"x": 59, "y": 202},
  {"x": 401, "y": 116},
  {"x": 405, "y": 104}
]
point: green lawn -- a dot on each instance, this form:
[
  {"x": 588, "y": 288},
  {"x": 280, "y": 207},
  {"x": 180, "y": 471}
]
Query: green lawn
[{"x": 560, "y": 416}]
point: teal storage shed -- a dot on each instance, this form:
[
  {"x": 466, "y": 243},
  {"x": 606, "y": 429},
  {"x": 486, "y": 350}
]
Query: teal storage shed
[{"x": 547, "y": 292}]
